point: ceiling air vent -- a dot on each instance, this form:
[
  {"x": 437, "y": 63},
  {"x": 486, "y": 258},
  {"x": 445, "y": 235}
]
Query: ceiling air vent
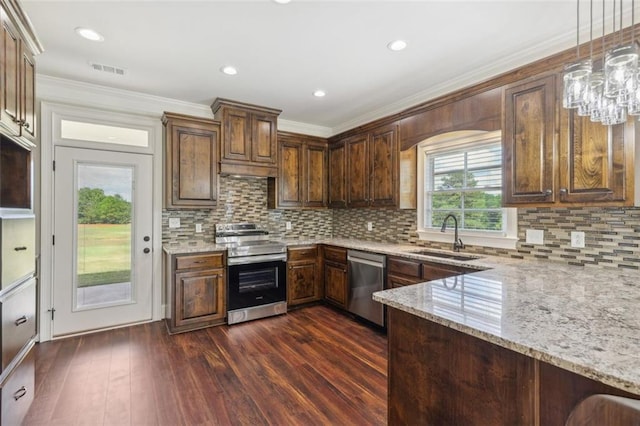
[{"x": 107, "y": 68}]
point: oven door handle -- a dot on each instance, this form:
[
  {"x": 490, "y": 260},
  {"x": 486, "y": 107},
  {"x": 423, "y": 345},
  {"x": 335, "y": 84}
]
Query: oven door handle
[{"x": 244, "y": 260}]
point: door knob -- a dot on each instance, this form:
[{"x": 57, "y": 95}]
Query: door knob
[{"x": 146, "y": 250}]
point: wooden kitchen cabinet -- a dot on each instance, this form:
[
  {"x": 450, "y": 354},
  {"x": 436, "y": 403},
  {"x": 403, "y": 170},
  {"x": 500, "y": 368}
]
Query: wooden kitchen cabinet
[
  {"x": 403, "y": 271},
  {"x": 335, "y": 275},
  {"x": 17, "y": 84},
  {"x": 191, "y": 161},
  {"x": 249, "y": 138},
  {"x": 303, "y": 276},
  {"x": 302, "y": 173},
  {"x": 576, "y": 162},
  {"x": 196, "y": 291},
  {"x": 370, "y": 168},
  {"x": 337, "y": 175}
]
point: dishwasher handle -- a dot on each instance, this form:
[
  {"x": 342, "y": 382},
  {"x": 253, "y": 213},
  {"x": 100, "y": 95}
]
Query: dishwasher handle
[{"x": 366, "y": 262}]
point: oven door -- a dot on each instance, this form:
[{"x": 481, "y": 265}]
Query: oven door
[{"x": 254, "y": 284}]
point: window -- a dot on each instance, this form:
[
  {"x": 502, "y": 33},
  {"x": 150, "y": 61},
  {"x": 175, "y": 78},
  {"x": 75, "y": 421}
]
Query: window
[{"x": 460, "y": 173}]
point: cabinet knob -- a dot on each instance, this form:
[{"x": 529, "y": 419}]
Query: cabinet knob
[
  {"x": 146, "y": 250},
  {"x": 25, "y": 124},
  {"x": 563, "y": 191},
  {"x": 548, "y": 192}
]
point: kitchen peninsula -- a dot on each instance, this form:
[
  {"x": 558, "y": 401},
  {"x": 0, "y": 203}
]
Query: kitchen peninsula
[{"x": 517, "y": 344}]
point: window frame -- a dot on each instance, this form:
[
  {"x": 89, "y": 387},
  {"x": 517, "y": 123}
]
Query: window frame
[{"x": 457, "y": 141}]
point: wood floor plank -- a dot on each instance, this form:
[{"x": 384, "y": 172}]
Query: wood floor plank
[{"x": 312, "y": 366}]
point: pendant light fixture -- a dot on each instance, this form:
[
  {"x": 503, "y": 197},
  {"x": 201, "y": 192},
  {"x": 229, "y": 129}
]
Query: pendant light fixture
[{"x": 606, "y": 95}]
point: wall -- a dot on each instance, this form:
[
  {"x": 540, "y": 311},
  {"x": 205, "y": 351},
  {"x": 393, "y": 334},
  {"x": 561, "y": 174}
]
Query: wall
[
  {"x": 245, "y": 200},
  {"x": 612, "y": 234}
]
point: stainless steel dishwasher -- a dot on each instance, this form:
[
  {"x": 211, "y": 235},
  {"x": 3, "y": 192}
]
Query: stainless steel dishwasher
[{"x": 366, "y": 276}]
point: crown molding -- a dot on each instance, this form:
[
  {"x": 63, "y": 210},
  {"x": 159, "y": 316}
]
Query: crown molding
[
  {"x": 470, "y": 78},
  {"x": 61, "y": 90}
]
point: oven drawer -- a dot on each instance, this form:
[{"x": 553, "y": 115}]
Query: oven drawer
[
  {"x": 18, "y": 259},
  {"x": 302, "y": 253},
  {"x": 18, "y": 312},
  {"x": 17, "y": 392},
  {"x": 200, "y": 261}
]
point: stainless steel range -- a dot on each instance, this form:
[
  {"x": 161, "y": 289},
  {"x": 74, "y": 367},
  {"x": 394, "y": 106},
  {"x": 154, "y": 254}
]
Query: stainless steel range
[{"x": 256, "y": 272}]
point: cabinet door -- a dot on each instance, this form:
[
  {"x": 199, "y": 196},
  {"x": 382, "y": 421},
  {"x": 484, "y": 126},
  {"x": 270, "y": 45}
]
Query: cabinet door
[
  {"x": 199, "y": 297},
  {"x": 337, "y": 175},
  {"x": 383, "y": 163},
  {"x": 315, "y": 175},
  {"x": 237, "y": 135},
  {"x": 302, "y": 282},
  {"x": 594, "y": 167},
  {"x": 357, "y": 171},
  {"x": 528, "y": 143},
  {"x": 290, "y": 178},
  {"x": 27, "y": 93},
  {"x": 263, "y": 139},
  {"x": 10, "y": 79},
  {"x": 194, "y": 178},
  {"x": 335, "y": 283}
]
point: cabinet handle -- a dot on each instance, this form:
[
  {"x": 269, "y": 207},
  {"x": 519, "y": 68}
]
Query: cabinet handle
[
  {"x": 20, "y": 393},
  {"x": 21, "y": 320},
  {"x": 548, "y": 192},
  {"x": 20, "y": 248}
]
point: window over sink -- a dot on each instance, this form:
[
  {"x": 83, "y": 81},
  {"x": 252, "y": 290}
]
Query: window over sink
[{"x": 461, "y": 173}]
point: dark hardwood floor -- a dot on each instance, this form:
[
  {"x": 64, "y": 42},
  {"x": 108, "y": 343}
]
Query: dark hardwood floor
[{"x": 311, "y": 366}]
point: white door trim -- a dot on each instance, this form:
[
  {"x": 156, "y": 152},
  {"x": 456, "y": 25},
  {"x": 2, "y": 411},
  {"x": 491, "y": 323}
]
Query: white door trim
[{"x": 49, "y": 112}]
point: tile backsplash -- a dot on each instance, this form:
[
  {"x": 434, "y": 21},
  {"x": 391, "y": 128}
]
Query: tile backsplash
[{"x": 612, "y": 235}]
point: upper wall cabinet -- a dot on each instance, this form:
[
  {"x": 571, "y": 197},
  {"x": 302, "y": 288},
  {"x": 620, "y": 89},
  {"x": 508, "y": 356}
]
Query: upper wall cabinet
[
  {"x": 249, "y": 138},
  {"x": 302, "y": 173},
  {"x": 337, "y": 175},
  {"x": 583, "y": 163},
  {"x": 17, "y": 77},
  {"x": 370, "y": 166},
  {"x": 191, "y": 160}
]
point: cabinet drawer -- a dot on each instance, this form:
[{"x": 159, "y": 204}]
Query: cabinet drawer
[
  {"x": 18, "y": 311},
  {"x": 395, "y": 281},
  {"x": 436, "y": 271},
  {"x": 335, "y": 254},
  {"x": 18, "y": 257},
  {"x": 406, "y": 267},
  {"x": 200, "y": 261},
  {"x": 302, "y": 253},
  {"x": 17, "y": 392}
]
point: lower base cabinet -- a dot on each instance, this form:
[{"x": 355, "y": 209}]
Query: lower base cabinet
[
  {"x": 196, "y": 291},
  {"x": 303, "y": 278},
  {"x": 335, "y": 275},
  {"x": 441, "y": 376},
  {"x": 17, "y": 392}
]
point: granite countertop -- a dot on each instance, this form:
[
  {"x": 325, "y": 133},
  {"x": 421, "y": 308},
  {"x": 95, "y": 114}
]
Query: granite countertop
[{"x": 585, "y": 320}]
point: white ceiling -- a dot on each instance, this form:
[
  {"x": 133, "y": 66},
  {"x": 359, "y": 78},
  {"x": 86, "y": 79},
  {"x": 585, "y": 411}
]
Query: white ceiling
[{"x": 175, "y": 49}]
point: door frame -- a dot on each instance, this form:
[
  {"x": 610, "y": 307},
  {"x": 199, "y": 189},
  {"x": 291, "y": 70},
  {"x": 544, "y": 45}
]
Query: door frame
[{"x": 50, "y": 115}]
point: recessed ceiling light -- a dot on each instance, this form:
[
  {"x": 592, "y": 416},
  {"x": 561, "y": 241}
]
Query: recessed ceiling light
[
  {"x": 397, "y": 45},
  {"x": 282, "y": 1},
  {"x": 229, "y": 70},
  {"x": 89, "y": 34},
  {"x": 319, "y": 93}
]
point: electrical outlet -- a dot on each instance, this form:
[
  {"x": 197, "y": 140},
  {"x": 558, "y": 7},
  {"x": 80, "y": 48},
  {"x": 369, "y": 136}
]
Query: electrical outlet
[
  {"x": 288, "y": 226},
  {"x": 369, "y": 226},
  {"x": 198, "y": 227},
  {"x": 174, "y": 222},
  {"x": 535, "y": 236},
  {"x": 577, "y": 239}
]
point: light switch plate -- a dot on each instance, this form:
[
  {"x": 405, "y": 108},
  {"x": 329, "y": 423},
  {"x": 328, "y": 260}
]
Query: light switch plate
[
  {"x": 174, "y": 222},
  {"x": 535, "y": 236},
  {"x": 198, "y": 227},
  {"x": 288, "y": 226},
  {"x": 369, "y": 226}
]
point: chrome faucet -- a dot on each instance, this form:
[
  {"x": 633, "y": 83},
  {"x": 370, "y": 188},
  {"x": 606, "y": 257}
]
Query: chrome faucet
[{"x": 457, "y": 242}]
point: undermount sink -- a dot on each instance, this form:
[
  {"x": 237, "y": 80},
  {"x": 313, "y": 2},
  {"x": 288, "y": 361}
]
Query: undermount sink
[{"x": 445, "y": 255}]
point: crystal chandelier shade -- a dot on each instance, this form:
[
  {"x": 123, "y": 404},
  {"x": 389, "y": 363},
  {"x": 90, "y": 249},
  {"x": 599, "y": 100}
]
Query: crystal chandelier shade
[{"x": 609, "y": 95}]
